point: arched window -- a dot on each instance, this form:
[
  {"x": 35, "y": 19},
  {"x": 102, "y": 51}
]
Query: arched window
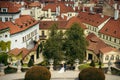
[
  {"x": 107, "y": 57},
  {"x": 112, "y": 57},
  {"x": 117, "y": 57}
]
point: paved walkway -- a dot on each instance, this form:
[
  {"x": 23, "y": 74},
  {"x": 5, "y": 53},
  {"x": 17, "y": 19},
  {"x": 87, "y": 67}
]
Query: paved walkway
[{"x": 68, "y": 75}]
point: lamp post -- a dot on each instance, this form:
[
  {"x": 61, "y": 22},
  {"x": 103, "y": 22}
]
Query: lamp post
[
  {"x": 51, "y": 61},
  {"x": 76, "y": 64}
]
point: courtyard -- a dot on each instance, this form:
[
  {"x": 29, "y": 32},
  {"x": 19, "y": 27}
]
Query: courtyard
[{"x": 68, "y": 75}]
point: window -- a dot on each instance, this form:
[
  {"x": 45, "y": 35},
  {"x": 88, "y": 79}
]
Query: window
[
  {"x": 5, "y": 36},
  {"x": 112, "y": 57},
  {"x": 15, "y": 40},
  {"x": 110, "y": 38},
  {"x": 117, "y": 57},
  {"x": 4, "y": 9},
  {"x": 107, "y": 57},
  {"x": 23, "y": 39},
  {"x": 0, "y": 19},
  {"x": 6, "y": 19},
  {"x": 115, "y": 40},
  {"x": 43, "y": 33}
]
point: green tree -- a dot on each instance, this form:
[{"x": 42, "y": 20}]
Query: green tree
[
  {"x": 75, "y": 43},
  {"x": 53, "y": 46}
]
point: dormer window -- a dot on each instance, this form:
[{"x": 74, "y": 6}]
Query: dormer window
[{"x": 3, "y": 9}]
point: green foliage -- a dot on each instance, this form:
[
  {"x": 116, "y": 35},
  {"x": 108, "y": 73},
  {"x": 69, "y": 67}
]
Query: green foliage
[
  {"x": 92, "y": 63},
  {"x": 83, "y": 66},
  {"x": 75, "y": 43},
  {"x": 91, "y": 74},
  {"x": 31, "y": 63},
  {"x": 38, "y": 73},
  {"x": 9, "y": 70},
  {"x": 5, "y": 45},
  {"x": 53, "y": 46},
  {"x": 3, "y": 58}
]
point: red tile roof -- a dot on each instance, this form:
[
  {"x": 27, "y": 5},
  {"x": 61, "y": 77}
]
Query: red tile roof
[
  {"x": 10, "y": 6},
  {"x": 107, "y": 49},
  {"x": 34, "y": 4},
  {"x": 21, "y": 24},
  {"x": 48, "y": 24},
  {"x": 3, "y": 26},
  {"x": 61, "y": 24},
  {"x": 112, "y": 28},
  {"x": 75, "y": 20},
  {"x": 63, "y": 8},
  {"x": 92, "y": 19},
  {"x": 95, "y": 44},
  {"x": 17, "y": 52}
]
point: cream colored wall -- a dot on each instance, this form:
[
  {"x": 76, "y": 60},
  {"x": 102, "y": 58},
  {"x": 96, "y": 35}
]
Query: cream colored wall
[
  {"x": 111, "y": 43},
  {"x": 110, "y": 54}
]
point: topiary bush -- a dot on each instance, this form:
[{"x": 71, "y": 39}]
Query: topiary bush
[
  {"x": 38, "y": 73},
  {"x": 91, "y": 73}
]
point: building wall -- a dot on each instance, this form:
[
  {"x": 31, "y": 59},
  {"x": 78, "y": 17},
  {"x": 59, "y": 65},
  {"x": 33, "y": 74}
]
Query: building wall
[
  {"x": 30, "y": 34},
  {"x": 112, "y": 41}
]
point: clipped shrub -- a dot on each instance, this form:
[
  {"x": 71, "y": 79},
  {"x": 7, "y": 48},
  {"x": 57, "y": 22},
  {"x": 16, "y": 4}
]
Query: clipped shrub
[
  {"x": 38, "y": 73},
  {"x": 10, "y": 70},
  {"x": 91, "y": 73},
  {"x": 92, "y": 63}
]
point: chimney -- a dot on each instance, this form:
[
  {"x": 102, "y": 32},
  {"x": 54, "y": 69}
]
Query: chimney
[
  {"x": 116, "y": 14},
  {"x": 91, "y": 9},
  {"x": 83, "y": 9},
  {"x": 115, "y": 6}
]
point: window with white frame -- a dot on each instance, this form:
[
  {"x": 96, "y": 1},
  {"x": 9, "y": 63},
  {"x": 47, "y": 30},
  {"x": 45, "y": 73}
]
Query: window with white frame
[
  {"x": 117, "y": 57},
  {"x": 107, "y": 57},
  {"x": 4, "y": 10},
  {"x": 112, "y": 57}
]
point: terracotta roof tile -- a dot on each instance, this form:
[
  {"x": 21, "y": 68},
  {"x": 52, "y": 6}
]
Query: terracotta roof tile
[
  {"x": 95, "y": 44},
  {"x": 48, "y": 24},
  {"x": 34, "y": 4},
  {"x": 92, "y": 19},
  {"x": 107, "y": 49},
  {"x": 20, "y": 24},
  {"x": 112, "y": 28},
  {"x": 3, "y": 26},
  {"x": 10, "y": 6},
  {"x": 75, "y": 20},
  {"x": 63, "y": 8}
]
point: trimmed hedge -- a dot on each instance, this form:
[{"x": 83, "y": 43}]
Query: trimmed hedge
[
  {"x": 91, "y": 73},
  {"x": 10, "y": 70},
  {"x": 38, "y": 73}
]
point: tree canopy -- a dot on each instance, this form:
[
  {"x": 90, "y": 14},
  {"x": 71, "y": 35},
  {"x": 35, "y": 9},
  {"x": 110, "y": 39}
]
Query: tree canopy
[
  {"x": 75, "y": 43},
  {"x": 53, "y": 46}
]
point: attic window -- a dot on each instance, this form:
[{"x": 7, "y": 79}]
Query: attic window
[
  {"x": 114, "y": 32},
  {"x": 97, "y": 22},
  {"x": 21, "y": 26}
]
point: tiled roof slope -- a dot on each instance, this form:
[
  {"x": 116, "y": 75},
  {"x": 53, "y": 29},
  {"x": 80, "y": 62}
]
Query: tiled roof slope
[
  {"x": 11, "y": 7},
  {"x": 21, "y": 24},
  {"x": 75, "y": 20},
  {"x": 63, "y": 8},
  {"x": 3, "y": 26},
  {"x": 92, "y": 19},
  {"x": 95, "y": 44},
  {"x": 61, "y": 24},
  {"x": 34, "y": 4},
  {"x": 48, "y": 24},
  {"x": 112, "y": 28}
]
